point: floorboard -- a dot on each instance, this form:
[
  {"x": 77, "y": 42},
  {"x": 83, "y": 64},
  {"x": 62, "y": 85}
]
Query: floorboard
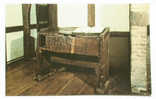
[{"x": 72, "y": 81}]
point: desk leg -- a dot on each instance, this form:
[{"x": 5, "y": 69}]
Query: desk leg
[
  {"x": 38, "y": 66},
  {"x": 42, "y": 70},
  {"x": 97, "y": 71},
  {"x": 102, "y": 76},
  {"x": 103, "y": 71}
]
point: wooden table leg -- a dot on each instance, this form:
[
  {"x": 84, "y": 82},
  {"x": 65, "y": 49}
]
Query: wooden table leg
[
  {"x": 38, "y": 66},
  {"x": 97, "y": 78},
  {"x": 43, "y": 69}
]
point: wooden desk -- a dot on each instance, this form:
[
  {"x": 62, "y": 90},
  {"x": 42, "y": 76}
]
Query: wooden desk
[{"x": 81, "y": 49}]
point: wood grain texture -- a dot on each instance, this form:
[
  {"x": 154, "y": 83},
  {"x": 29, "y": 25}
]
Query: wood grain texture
[
  {"x": 53, "y": 17},
  {"x": 73, "y": 81},
  {"x": 28, "y": 40},
  {"x": 73, "y": 45},
  {"x": 91, "y": 15},
  {"x": 19, "y": 81},
  {"x": 92, "y": 45},
  {"x": 75, "y": 62}
]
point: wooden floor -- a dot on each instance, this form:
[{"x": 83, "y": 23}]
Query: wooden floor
[{"x": 19, "y": 81}]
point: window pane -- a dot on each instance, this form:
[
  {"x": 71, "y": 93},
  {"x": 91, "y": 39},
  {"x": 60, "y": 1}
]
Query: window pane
[
  {"x": 14, "y": 44},
  {"x": 33, "y": 19}
]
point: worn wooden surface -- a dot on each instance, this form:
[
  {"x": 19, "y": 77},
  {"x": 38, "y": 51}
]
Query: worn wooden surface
[
  {"x": 19, "y": 81},
  {"x": 105, "y": 59},
  {"x": 26, "y": 21},
  {"x": 73, "y": 45},
  {"x": 53, "y": 17},
  {"x": 91, "y": 15},
  {"x": 73, "y": 81},
  {"x": 58, "y": 44},
  {"x": 28, "y": 40},
  {"x": 79, "y": 63},
  {"x": 87, "y": 46},
  {"x": 92, "y": 45}
]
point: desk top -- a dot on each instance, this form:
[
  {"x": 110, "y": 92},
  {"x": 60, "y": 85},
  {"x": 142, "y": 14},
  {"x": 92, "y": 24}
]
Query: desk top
[
  {"x": 75, "y": 43},
  {"x": 75, "y": 31}
]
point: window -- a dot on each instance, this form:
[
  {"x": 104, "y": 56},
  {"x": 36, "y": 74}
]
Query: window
[{"x": 14, "y": 40}]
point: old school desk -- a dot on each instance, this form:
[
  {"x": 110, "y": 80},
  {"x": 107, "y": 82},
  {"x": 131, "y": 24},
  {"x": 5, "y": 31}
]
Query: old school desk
[{"x": 73, "y": 42}]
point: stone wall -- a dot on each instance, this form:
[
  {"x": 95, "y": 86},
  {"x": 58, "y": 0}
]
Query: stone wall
[
  {"x": 139, "y": 18},
  {"x": 138, "y": 58}
]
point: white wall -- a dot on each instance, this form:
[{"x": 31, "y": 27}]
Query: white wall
[
  {"x": 13, "y": 15},
  {"x": 115, "y": 16},
  {"x": 72, "y": 15},
  {"x": 14, "y": 41}
]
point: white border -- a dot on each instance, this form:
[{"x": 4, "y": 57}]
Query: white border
[
  {"x": 2, "y": 50},
  {"x": 2, "y": 45}
]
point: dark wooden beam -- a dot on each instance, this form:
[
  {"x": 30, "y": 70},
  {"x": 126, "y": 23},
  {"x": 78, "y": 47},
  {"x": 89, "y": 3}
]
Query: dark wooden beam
[
  {"x": 26, "y": 27},
  {"x": 74, "y": 62},
  {"x": 130, "y": 46},
  {"x": 91, "y": 15},
  {"x": 120, "y": 34},
  {"x": 35, "y": 26},
  {"x": 148, "y": 64},
  {"x": 53, "y": 17},
  {"x": 21, "y": 28},
  {"x": 148, "y": 30},
  {"x": 13, "y": 29},
  {"x": 37, "y": 17}
]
